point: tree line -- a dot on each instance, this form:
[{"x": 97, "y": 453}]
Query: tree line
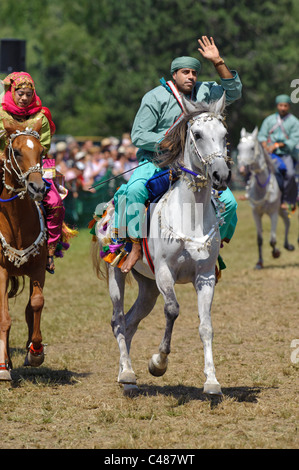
[{"x": 93, "y": 61}]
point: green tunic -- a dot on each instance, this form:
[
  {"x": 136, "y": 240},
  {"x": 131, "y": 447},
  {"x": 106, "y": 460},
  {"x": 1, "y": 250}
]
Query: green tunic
[{"x": 290, "y": 137}]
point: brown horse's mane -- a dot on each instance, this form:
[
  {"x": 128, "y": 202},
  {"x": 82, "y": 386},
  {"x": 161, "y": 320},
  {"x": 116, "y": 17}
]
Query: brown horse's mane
[{"x": 171, "y": 149}]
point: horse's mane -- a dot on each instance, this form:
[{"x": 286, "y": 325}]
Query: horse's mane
[
  {"x": 171, "y": 149},
  {"x": 269, "y": 161}
]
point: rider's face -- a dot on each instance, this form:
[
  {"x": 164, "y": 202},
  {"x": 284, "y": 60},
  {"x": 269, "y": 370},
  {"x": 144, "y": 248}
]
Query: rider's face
[
  {"x": 185, "y": 80},
  {"x": 23, "y": 97},
  {"x": 283, "y": 108}
]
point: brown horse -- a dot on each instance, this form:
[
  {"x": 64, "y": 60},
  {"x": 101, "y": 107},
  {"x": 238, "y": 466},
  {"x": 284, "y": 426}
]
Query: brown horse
[{"x": 23, "y": 247}]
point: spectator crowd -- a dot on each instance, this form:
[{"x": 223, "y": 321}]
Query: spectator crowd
[{"x": 84, "y": 164}]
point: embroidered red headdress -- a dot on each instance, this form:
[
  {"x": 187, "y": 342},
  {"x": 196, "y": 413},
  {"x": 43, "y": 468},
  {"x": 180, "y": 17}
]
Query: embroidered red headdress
[{"x": 13, "y": 82}]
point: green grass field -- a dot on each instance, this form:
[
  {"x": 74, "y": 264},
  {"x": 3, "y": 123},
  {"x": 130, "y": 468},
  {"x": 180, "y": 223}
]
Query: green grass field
[{"x": 73, "y": 400}]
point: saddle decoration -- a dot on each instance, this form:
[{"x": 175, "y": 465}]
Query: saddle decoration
[{"x": 114, "y": 250}]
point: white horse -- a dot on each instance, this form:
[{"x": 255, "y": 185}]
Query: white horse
[
  {"x": 263, "y": 191},
  {"x": 196, "y": 148}
]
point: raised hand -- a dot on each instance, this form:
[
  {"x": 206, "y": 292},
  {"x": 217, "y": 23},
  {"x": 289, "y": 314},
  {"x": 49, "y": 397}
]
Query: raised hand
[{"x": 208, "y": 49}]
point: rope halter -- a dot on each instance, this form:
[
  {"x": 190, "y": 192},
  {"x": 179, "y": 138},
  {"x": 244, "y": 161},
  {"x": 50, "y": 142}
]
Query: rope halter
[{"x": 14, "y": 166}]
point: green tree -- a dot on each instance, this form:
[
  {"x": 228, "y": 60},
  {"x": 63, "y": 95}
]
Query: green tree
[{"x": 93, "y": 61}]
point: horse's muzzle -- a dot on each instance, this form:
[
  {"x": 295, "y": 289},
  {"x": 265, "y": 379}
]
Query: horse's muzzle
[
  {"x": 36, "y": 190},
  {"x": 220, "y": 181}
]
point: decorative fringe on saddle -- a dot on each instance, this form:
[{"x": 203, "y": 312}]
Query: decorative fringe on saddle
[
  {"x": 114, "y": 250},
  {"x": 63, "y": 244},
  {"x": 219, "y": 268}
]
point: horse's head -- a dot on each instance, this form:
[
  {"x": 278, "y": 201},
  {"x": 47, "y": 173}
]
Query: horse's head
[
  {"x": 207, "y": 148},
  {"x": 24, "y": 159},
  {"x": 247, "y": 150},
  {"x": 198, "y": 142}
]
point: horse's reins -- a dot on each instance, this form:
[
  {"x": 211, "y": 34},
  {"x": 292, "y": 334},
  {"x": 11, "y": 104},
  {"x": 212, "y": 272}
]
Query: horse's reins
[{"x": 15, "y": 168}]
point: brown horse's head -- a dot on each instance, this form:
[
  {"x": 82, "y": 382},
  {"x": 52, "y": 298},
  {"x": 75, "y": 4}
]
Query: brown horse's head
[{"x": 24, "y": 155}]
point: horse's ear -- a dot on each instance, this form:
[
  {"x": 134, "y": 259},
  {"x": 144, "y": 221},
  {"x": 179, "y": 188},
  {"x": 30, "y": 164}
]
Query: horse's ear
[
  {"x": 188, "y": 105},
  {"x": 220, "y": 104},
  {"x": 243, "y": 132},
  {"x": 38, "y": 125},
  {"x": 255, "y": 132},
  {"x": 10, "y": 126}
]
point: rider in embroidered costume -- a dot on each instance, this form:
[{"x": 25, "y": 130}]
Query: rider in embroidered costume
[
  {"x": 21, "y": 103},
  {"x": 159, "y": 110},
  {"x": 279, "y": 135}
]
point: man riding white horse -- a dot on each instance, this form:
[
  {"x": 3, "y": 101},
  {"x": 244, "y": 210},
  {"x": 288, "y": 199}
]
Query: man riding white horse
[{"x": 159, "y": 110}]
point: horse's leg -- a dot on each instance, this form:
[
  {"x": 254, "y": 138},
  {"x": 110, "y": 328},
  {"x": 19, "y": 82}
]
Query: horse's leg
[
  {"x": 117, "y": 290},
  {"x": 35, "y": 356},
  {"x": 5, "y": 324},
  {"x": 284, "y": 215},
  {"x": 259, "y": 229},
  {"x": 205, "y": 292},
  {"x": 144, "y": 304},
  {"x": 165, "y": 282},
  {"x": 274, "y": 220}
]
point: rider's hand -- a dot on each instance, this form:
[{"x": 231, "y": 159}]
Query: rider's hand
[{"x": 208, "y": 49}]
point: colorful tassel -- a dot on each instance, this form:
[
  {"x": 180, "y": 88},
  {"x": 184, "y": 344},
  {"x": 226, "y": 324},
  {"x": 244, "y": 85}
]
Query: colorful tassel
[{"x": 109, "y": 257}]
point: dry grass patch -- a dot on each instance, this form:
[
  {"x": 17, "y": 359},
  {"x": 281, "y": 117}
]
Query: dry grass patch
[{"x": 73, "y": 400}]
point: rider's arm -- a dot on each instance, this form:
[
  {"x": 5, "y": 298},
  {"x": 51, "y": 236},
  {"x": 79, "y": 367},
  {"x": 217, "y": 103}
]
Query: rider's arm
[
  {"x": 145, "y": 133},
  {"x": 45, "y": 134},
  {"x": 230, "y": 80},
  {"x": 212, "y": 91}
]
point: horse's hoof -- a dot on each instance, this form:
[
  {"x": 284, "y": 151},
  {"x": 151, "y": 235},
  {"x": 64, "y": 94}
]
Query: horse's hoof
[
  {"x": 130, "y": 390},
  {"x": 127, "y": 377},
  {"x": 259, "y": 265},
  {"x": 212, "y": 389},
  {"x": 276, "y": 253},
  {"x": 34, "y": 358},
  {"x": 155, "y": 368},
  {"x": 289, "y": 247},
  {"x": 5, "y": 375}
]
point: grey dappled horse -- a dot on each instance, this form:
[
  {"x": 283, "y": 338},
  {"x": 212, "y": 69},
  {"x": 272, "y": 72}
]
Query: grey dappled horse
[
  {"x": 197, "y": 147},
  {"x": 263, "y": 191}
]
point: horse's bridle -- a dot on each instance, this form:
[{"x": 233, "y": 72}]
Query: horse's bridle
[
  {"x": 14, "y": 166},
  {"x": 207, "y": 159}
]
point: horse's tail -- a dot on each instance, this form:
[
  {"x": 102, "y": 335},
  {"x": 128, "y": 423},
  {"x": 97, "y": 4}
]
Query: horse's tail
[
  {"x": 14, "y": 286},
  {"x": 102, "y": 273}
]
